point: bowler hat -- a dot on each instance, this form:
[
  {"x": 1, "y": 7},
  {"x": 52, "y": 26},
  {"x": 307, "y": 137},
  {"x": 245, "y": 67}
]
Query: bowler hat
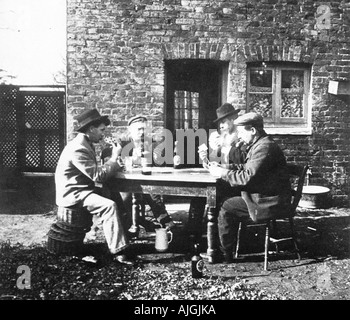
[
  {"x": 136, "y": 119},
  {"x": 250, "y": 118},
  {"x": 225, "y": 110},
  {"x": 88, "y": 117}
]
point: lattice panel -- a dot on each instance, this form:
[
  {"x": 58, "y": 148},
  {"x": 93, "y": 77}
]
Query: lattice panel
[
  {"x": 8, "y": 147},
  {"x": 52, "y": 151},
  {"x": 8, "y": 126},
  {"x": 31, "y": 127},
  {"x": 42, "y": 120},
  {"x": 8, "y": 99},
  {"x": 32, "y": 151},
  {"x": 41, "y": 112}
]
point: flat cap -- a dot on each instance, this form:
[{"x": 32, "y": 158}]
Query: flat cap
[
  {"x": 136, "y": 119},
  {"x": 250, "y": 118}
]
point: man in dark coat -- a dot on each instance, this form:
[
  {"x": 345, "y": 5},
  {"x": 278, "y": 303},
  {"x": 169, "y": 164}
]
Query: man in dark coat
[{"x": 262, "y": 179}]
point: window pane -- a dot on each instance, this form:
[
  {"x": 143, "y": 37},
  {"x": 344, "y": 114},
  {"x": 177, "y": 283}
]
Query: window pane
[
  {"x": 261, "y": 103},
  {"x": 292, "y": 106},
  {"x": 293, "y": 80},
  {"x": 186, "y": 109},
  {"x": 260, "y": 80},
  {"x": 292, "y": 94}
]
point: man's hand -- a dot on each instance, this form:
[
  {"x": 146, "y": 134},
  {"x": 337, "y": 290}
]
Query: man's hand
[
  {"x": 215, "y": 140},
  {"x": 203, "y": 155},
  {"x": 239, "y": 143},
  {"x": 216, "y": 170},
  {"x": 202, "y": 151},
  {"x": 116, "y": 151}
]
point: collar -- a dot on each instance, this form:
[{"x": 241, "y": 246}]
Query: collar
[
  {"x": 89, "y": 141},
  {"x": 264, "y": 134}
]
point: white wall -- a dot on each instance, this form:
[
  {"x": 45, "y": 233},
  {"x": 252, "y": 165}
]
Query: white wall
[{"x": 32, "y": 41}]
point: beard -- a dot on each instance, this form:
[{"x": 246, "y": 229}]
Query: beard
[{"x": 227, "y": 139}]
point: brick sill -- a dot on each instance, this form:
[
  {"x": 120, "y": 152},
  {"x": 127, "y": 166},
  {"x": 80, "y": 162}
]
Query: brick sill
[{"x": 289, "y": 131}]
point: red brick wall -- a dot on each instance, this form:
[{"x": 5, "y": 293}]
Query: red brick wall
[{"x": 116, "y": 52}]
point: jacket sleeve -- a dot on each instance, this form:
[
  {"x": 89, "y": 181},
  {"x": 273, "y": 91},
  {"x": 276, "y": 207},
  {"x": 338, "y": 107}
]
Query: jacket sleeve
[
  {"x": 87, "y": 164},
  {"x": 254, "y": 167}
]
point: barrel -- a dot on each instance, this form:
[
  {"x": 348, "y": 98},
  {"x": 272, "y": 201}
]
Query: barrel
[
  {"x": 77, "y": 218},
  {"x": 66, "y": 235},
  {"x": 60, "y": 241}
]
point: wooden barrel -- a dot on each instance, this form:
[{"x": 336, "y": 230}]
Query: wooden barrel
[
  {"x": 74, "y": 218},
  {"x": 66, "y": 236},
  {"x": 62, "y": 242}
]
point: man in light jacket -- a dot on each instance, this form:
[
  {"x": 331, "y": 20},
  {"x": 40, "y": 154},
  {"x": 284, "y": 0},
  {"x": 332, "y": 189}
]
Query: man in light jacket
[
  {"x": 262, "y": 180},
  {"x": 79, "y": 178}
]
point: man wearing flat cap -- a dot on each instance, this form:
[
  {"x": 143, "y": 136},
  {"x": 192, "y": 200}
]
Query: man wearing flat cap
[
  {"x": 262, "y": 181},
  {"x": 78, "y": 178},
  {"x": 139, "y": 140}
]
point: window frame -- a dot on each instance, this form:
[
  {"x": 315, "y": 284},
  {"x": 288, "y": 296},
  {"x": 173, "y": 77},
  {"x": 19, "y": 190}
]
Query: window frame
[{"x": 276, "y": 123}]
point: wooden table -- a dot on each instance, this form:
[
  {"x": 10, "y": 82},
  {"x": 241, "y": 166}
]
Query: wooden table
[{"x": 195, "y": 182}]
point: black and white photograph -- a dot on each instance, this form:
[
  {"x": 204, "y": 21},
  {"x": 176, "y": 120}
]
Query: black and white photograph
[{"x": 176, "y": 155}]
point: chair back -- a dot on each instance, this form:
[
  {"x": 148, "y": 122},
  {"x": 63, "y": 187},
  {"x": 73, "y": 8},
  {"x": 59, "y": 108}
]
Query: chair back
[{"x": 298, "y": 174}]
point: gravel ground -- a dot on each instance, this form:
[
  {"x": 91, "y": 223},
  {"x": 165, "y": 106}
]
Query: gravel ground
[{"x": 322, "y": 273}]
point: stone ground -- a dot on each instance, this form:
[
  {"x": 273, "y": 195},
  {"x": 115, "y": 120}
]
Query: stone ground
[{"x": 322, "y": 273}]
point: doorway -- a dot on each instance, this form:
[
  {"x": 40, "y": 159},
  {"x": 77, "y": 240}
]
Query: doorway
[{"x": 194, "y": 90}]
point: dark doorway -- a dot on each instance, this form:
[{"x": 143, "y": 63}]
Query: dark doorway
[{"x": 194, "y": 90}]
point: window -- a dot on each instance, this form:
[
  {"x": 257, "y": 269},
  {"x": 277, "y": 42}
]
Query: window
[
  {"x": 186, "y": 106},
  {"x": 279, "y": 92}
]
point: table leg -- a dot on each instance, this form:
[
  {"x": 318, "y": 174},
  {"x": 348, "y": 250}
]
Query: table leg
[
  {"x": 134, "y": 229},
  {"x": 195, "y": 218},
  {"x": 212, "y": 234}
]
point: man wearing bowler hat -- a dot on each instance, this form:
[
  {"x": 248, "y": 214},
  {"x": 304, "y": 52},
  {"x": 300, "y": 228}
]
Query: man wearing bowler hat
[
  {"x": 224, "y": 142},
  {"x": 227, "y": 149},
  {"x": 262, "y": 180},
  {"x": 78, "y": 178}
]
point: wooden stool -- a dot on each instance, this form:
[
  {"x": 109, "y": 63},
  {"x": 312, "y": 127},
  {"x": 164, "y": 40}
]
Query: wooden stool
[{"x": 66, "y": 236}]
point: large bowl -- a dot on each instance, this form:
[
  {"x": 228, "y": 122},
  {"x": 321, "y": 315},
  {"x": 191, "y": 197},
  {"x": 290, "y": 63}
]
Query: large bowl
[{"x": 315, "y": 197}]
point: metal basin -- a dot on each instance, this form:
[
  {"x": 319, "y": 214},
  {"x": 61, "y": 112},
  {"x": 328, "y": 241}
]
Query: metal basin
[{"x": 315, "y": 197}]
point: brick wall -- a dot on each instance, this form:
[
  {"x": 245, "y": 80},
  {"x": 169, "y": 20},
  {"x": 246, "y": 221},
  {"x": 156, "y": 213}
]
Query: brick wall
[{"x": 116, "y": 52}]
